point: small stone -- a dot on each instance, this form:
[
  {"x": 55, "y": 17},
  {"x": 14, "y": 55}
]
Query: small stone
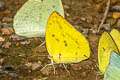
[
  {"x": 7, "y": 12},
  {"x": 116, "y": 15},
  {"x": 7, "y": 19},
  {"x": 89, "y": 19},
  {"x": 1, "y": 51},
  {"x": 85, "y": 31},
  {"x": 47, "y": 71},
  {"x": 94, "y": 31},
  {"x": 67, "y": 14},
  {"x": 17, "y": 37},
  {"x": 111, "y": 21},
  {"x": 2, "y": 39},
  {"x": 6, "y": 45},
  {"x": 8, "y": 68},
  {"x": 75, "y": 67},
  {"x": 118, "y": 23},
  {"x": 1, "y": 42},
  {"x": 106, "y": 26},
  {"x": 83, "y": 19},
  {"x": 25, "y": 42},
  {"x": 6, "y": 25},
  {"x": 7, "y": 31},
  {"x": 114, "y": 1},
  {"x": 36, "y": 66},
  {"x": 2, "y": 61},
  {"x": 28, "y": 65},
  {"x": 66, "y": 7},
  {"x": 116, "y": 7},
  {"x": 1, "y": 24},
  {"x": 2, "y": 5},
  {"x": 84, "y": 74}
]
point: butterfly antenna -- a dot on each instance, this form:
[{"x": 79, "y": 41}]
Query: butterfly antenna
[{"x": 65, "y": 68}]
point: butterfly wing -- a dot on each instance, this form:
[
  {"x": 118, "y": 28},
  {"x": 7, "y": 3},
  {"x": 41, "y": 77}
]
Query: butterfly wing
[
  {"x": 113, "y": 69},
  {"x": 64, "y": 43},
  {"x": 116, "y": 37},
  {"x": 106, "y": 45},
  {"x": 31, "y": 19}
]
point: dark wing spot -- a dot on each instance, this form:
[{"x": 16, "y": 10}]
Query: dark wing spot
[
  {"x": 53, "y": 35},
  {"x": 50, "y": 23},
  {"x": 104, "y": 49},
  {"x": 85, "y": 56},
  {"x": 65, "y": 43},
  {"x": 76, "y": 42},
  {"x": 53, "y": 6},
  {"x": 59, "y": 25},
  {"x": 60, "y": 56},
  {"x": 63, "y": 35},
  {"x": 57, "y": 39},
  {"x": 78, "y": 47}
]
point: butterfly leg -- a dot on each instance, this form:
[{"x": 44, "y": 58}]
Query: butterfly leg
[
  {"x": 45, "y": 66},
  {"x": 42, "y": 43},
  {"x": 52, "y": 63},
  {"x": 65, "y": 68}
]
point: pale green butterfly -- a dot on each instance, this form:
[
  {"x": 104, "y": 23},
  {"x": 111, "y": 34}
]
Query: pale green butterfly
[
  {"x": 113, "y": 70},
  {"x": 31, "y": 19}
]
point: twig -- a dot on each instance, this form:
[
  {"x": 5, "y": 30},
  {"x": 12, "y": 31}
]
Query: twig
[
  {"x": 42, "y": 43},
  {"x": 105, "y": 16}
]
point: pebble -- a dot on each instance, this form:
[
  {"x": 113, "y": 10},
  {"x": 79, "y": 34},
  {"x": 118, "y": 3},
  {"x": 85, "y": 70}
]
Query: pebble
[
  {"x": 6, "y": 25},
  {"x": 36, "y": 66},
  {"x": 83, "y": 74},
  {"x": 116, "y": 15},
  {"x": 66, "y": 7},
  {"x": 1, "y": 51},
  {"x": 114, "y": 1},
  {"x": 25, "y": 42},
  {"x": 8, "y": 69},
  {"x": 7, "y": 31},
  {"x": 2, "y": 5},
  {"x": 75, "y": 67},
  {"x": 17, "y": 37},
  {"x": 1, "y": 24},
  {"x": 28, "y": 65},
  {"x": 2, "y": 39},
  {"x": 85, "y": 31},
  {"x": 7, "y": 19},
  {"x": 116, "y": 7},
  {"x": 7, "y": 45},
  {"x": 111, "y": 21},
  {"x": 83, "y": 19},
  {"x": 106, "y": 26},
  {"x": 1, "y": 61},
  {"x": 1, "y": 43},
  {"x": 118, "y": 23}
]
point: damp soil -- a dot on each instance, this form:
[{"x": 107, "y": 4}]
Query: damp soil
[{"x": 21, "y": 59}]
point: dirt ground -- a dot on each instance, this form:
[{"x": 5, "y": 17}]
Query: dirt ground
[{"x": 22, "y": 59}]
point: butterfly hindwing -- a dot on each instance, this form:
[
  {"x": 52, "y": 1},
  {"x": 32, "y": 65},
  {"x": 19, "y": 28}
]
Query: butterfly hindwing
[{"x": 106, "y": 45}]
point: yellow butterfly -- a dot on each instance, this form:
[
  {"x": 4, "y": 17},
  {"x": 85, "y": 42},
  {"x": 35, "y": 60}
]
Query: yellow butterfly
[
  {"x": 107, "y": 43},
  {"x": 64, "y": 43}
]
